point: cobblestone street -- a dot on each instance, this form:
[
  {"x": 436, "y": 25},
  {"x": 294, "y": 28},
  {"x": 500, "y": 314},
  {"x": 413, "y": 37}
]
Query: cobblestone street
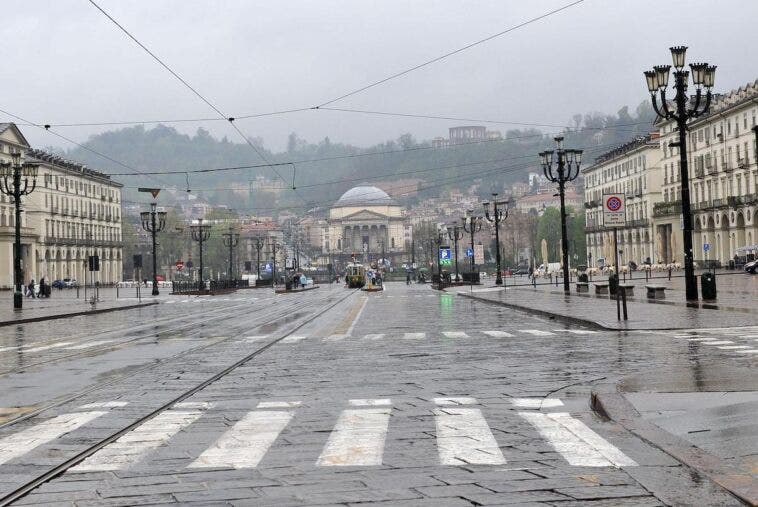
[{"x": 405, "y": 397}]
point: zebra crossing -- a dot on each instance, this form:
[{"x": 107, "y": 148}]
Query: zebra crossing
[
  {"x": 421, "y": 336},
  {"x": 358, "y": 438},
  {"x": 739, "y": 341}
]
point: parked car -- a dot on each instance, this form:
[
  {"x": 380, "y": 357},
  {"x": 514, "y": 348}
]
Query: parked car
[
  {"x": 521, "y": 270},
  {"x": 57, "y": 284},
  {"x": 751, "y": 267},
  {"x": 70, "y": 283}
]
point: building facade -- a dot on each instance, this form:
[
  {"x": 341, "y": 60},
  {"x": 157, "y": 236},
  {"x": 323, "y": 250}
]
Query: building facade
[
  {"x": 74, "y": 212},
  {"x": 721, "y": 150},
  {"x": 634, "y": 170}
]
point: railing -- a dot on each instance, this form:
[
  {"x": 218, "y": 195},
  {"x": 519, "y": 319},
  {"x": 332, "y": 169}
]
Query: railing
[
  {"x": 640, "y": 222},
  {"x": 719, "y": 203}
]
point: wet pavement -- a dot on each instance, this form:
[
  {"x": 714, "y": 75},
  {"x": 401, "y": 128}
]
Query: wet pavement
[{"x": 405, "y": 397}]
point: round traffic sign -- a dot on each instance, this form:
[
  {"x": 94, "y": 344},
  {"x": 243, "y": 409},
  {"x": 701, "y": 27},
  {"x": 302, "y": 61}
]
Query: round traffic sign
[
  {"x": 613, "y": 203},
  {"x": 179, "y": 265}
]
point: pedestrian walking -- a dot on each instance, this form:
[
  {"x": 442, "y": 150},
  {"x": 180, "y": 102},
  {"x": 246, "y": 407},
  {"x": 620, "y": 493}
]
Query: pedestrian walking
[
  {"x": 303, "y": 280},
  {"x": 30, "y": 289},
  {"x": 42, "y": 288},
  {"x": 408, "y": 278}
]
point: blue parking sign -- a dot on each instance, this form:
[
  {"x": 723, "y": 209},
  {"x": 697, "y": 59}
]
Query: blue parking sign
[
  {"x": 444, "y": 255},
  {"x": 706, "y": 247}
]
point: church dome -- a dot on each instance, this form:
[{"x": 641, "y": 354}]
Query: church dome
[{"x": 365, "y": 196}]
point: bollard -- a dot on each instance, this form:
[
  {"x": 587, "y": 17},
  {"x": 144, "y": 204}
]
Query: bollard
[
  {"x": 116, "y": 291},
  {"x": 624, "y": 276},
  {"x": 623, "y": 301},
  {"x": 77, "y": 292},
  {"x": 669, "y": 272},
  {"x": 534, "y": 282}
]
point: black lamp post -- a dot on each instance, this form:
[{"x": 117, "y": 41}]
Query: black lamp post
[
  {"x": 562, "y": 168},
  {"x": 200, "y": 233},
  {"x": 153, "y": 221},
  {"x": 11, "y": 185},
  {"x": 657, "y": 80},
  {"x": 472, "y": 224},
  {"x": 231, "y": 239},
  {"x": 498, "y": 216},
  {"x": 438, "y": 241},
  {"x": 455, "y": 233}
]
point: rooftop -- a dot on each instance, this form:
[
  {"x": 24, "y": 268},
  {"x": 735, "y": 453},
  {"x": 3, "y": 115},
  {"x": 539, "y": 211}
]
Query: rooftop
[{"x": 365, "y": 196}]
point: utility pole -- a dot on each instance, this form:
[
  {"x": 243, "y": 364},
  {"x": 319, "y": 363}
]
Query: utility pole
[{"x": 231, "y": 239}]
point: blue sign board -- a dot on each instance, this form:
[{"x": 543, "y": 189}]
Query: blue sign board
[
  {"x": 444, "y": 255},
  {"x": 706, "y": 246},
  {"x": 268, "y": 266},
  {"x": 469, "y": 252}
]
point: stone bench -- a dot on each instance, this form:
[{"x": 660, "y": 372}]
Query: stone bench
[
  {"x": 601, "y": 288},
  {"x": 656, "y": 291},
  {"x": 582, "y": 287},
  {"x": 628, "y": 288}
]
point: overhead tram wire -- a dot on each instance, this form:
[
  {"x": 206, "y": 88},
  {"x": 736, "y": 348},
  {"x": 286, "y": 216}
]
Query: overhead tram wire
[
  {"x": 448, "y": 54},
  {"x": 230, "y": 119}
]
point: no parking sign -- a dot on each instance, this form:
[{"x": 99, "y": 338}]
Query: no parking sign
[{"x": 614, "y": 210}]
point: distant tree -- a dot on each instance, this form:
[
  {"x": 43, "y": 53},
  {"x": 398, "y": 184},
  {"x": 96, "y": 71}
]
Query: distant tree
[{"x": 549, "y": 229}]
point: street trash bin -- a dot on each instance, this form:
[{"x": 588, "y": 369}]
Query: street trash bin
[
  {"x": 708, "y": 285},
  {"x": 583, "y": 278},
  {"x": 613, "y": 284},
  {"x": 731, "y": 264}
]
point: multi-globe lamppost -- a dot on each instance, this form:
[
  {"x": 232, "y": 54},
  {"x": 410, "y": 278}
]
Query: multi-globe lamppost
[
  {"x": 13, "y": 186},
  {"x": 153, "y": 221},
  {"x": 498, "y": 216},
  {"x": 259, "y": 242},
  {"x": 455, "y": 233},
  {"x": 472, "y": 224},
  {"x": 200, "y": 233},
  {"x": 231, "y": 239},
  {"x": 561, "y": 169},
  {"x": 686, "y": 108}
]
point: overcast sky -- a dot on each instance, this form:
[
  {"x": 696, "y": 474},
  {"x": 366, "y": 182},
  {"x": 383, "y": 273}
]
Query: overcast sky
[{"x": 64, "y": 62}]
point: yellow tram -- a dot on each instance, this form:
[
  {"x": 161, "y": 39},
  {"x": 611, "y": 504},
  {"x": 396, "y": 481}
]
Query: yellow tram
[{"x": 355, "y": 275}]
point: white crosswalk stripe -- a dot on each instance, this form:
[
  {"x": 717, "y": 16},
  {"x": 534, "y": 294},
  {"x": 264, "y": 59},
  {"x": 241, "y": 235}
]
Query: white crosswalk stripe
[
  {"x": 374, "y": 337},
  {"x": 247, "y": 442},
  {"x": 718, "y": 342},
  {"x": 465, "y": 438},
  {"x": 577, "y": 443},
  {"x": 135, "y": 445},
  {"x": 294, "y": 339},
  {"x": 498, "y": 334},
  {"x": 414, "y": 336},
  {"x": 47, "y": 347},
  {"x": 536, "y": 332},
  {"x": 358, "y": 437},
  {"x": 336, "y": 337},
  {"x": 455, "y": 334},
  {"x": 89, "y": 345},
  {"x": 576, "y": 331}
]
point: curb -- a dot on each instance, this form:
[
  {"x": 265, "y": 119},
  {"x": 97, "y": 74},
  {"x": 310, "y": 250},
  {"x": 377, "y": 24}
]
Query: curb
[
  {"x": 74, "y": 314},
  {"x": 614, "y": 406},
  {"x": 545, "y": 313},
  {"x": 285, "y": 291}
]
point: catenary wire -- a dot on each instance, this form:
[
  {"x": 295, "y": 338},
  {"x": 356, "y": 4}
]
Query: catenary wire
[{"x": 448, "y": 54}]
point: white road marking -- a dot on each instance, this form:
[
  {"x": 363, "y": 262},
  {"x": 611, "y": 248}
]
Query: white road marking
[
  {"x": 357, "y": 439},
  {"x": 24, "y": 441},
  {"x": 246, "y": 443},
  {"x": 3, "y": 349},
  {"x": 89, "y": 345},
  {"x": 456, "y": 401},
  {"x": 581, "y": 430},
  {"x": 279, "y": 404},
  {"x": 377, "y": 336},
  {"x": 455, "y": 334},
  {"x": 498, "y": 334},
  {"x": 719, "y": 342},
  {"x": 414, "y": 336},
  {"x": 576, "y": 331},
  {"x": 536, "y": 332},
  {"x": 370, "y": 403},
  {"x": 349, "y": 331},
  {"x": 138, "y": 443},
  {"x": 701, "y": 339},
  {"x": 750, "y": 351},
  {"x": 733, "y": 347},
  {"x": 256, "y": 338},
  {"x": 569, "y": 439},
  {"x": 464, "y": 438},
  {"x": 105, "y": 404},
  {"x": 537, "y": 402},
  {"x": 294, "y": 339},
  {"x": 48, "y": 347}
]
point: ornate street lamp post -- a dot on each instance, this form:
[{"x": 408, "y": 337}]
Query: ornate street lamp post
[
  {"x": 153, "y": 221},
  {"x": 472, "y": 224},
  {"x": 497, "y": 216},
  {"x": 11, "y": 185},
  {"x": 561, "y": 169},
  {"x": 259, "y": 242},
  {"x": 200, "y": 233},
  {"x": 687, "y": 108},
  {"x": 438, "y": 241},
  {"x": 231, "y": 239},
  {"x": 455, "y": 233}
]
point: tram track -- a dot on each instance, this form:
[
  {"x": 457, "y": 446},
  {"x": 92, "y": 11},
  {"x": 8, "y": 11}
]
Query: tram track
[
  {"x": 62, "y": 467},
  {"x": 281, "y": 312}
]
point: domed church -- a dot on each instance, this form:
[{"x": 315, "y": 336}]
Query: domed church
[{"x": 365, "y": 220}]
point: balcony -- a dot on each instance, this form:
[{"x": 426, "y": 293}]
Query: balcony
[
  {"x": 720, "y": 203},
  {"x": 640, "y": 222},
  {"x": 664, "y": 209},
  {"x": 591, "y": 204}
]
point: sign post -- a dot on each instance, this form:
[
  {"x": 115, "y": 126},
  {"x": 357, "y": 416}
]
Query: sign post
[
  {"x": 614, "y": 215},
  {"x": 179, "y": 265},
  {"x": 706, "y": 247}
]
